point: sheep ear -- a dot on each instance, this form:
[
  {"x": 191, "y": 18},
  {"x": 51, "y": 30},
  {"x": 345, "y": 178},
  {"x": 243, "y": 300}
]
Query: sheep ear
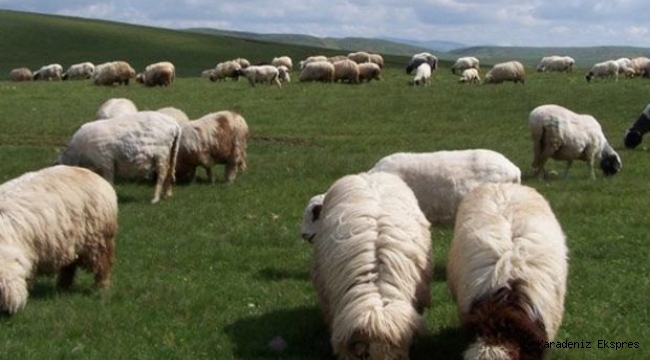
[{"x": 315, "y": 212}]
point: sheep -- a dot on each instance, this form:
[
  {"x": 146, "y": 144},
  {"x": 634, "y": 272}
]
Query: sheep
[
  {"x": 506, "y": 71},
  {"x": 158, "y": 74},
  {"x": 603, "y": 69},
  {"x": 284, "y": 74},
  {"x": 346, "y": 71},
  {"x": 49, "y": 72},
  {"x": 561, "y": 134},
  {"x": 216, "y": 138},
  {"x": 20, "y": 74},
  {"x": 507, "y": 272},
  {"x": 556, "y": 63},
  {"x": 226, "y": 69},
  {"x": 640, "y": 65},
  {"x": 625, "y": 67},
  {"x": 80, "y": 71},
  {"x": 463, "y": 63},
  {"x": 369, "y": 72},
  {"x": 372, "y": 263},
  {"x": 634, "y": 134},
  {"x": 109, "y": 73},
  {"x": 310, "y": 217},
  {"x": 261, "y": 74},
  {"x": 359, "y": 57},
  {"x": 441, "y": 179},
  {"x": 115, "y": 107},
  {"x": 133, "y": 146},
  {"x": 282, "y": 61},
  {"x": 244, "y": 63},
  {"x": 207, "y": 73},
  {"x": 422, "y": 75},
  {"x": 377, "y": 59},
  {"x": 311, "y": 59},
  {"x": 418, "y": 59},
  {"x": 177, "y": 114},
  {"x": 317, "y": 71},
  {"x": 336, "y": 58},
  {"x": 470, "y": 76},
  {"x": 54, "y": 220}
]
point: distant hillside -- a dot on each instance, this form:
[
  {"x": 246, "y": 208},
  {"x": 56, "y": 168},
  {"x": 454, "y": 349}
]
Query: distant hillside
[
  {"x": 345, "y": 44},
  {"x": 431, "y": 45}
]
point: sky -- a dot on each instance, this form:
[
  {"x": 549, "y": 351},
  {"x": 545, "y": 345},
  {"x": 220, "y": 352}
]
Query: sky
[{"x": 469, "y": 22}]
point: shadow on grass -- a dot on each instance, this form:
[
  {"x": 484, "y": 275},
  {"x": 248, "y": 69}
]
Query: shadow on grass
[
  {"x": 271, "y": 274},
  {"x": 440, "y": 273},
  {"x": 445, "y": 344}
]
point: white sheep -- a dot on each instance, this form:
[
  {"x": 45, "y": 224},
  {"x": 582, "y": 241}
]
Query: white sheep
[
  {"x": 336, "y": 58},
  {"x": 109, "y": 73},
  {"x": 346, "y": 71},
  {"x": 422, "y": 75},
  {"x": 470, "y": 76},
  {"x": 226, "y": 69},
  {"x": 507, "y": 272},
  {"x": 207, "y": 73},
  {"x": 133, "y": 146},
  {"x": 420, "y": 58},
  {"x": 317, "y": 71},
  {"x": 53, "y": 221},
  {"x": 114, "y": 107},
  {"x": 359, "y": 57},
  {"x": 561, "y": 134},
  {"x": 609, "y": 68},
  {"x": 216, "y": 138},
  {"x": 440, "y": 179},
  {"x": 177, "y": 114},
  {"x": 372, "y": 265},
  {"x": 369, "y": 72},
  {"x": 79, "y": 71},
  {"x": 311, "y": 59},
  {"x": 283, "y": 61},
  {"x": 556, "y": 63},
  {"x": 244, "y": 63},
  {"x": 310, "y": 217},
  {"x": 284, "y": 74},
  {"x": 158, "y": 74},
  {"x": 377, "y": 59},
  {"x": 49, "y": 72},
  {"x": 640, "y": 65},
  {"x": 625, "y": 67},
  {"x": 261, "y": 74},
  {"x": 21, "y": 74},
  {"x": 506, "y": 71},
  {"x": 634, "y": 134},
  {"x": 463, "y": 63}
]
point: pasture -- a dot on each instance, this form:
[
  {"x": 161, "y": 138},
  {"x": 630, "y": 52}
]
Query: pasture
[{"x": 216, "y": 272}]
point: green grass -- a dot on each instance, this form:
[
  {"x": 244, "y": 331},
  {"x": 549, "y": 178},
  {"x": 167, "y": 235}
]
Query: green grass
[{"x": 215, "y": 272}]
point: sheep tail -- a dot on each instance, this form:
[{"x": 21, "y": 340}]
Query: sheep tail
[{"x": 173, "y": 157}]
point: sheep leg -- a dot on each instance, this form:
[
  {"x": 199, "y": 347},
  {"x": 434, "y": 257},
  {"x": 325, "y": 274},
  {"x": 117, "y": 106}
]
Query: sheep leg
[
  {"x": 210, "y": 174},
  {"x": 566, "y": 169},
  {"x": 231, "y": 172},
  {"x": 66, "y": 276},
  {"x": 103, "y": 265},
  {"x": 161, "y": 170}
]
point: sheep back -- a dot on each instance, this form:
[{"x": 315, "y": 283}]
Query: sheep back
[
  {"x": 20, "y": 74},
  {"x": 506, "y": 71},
  {"x": 115, "y": 107}
]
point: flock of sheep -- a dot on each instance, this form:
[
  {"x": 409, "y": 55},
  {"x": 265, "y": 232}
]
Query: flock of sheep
[{"x": 372, "y": 247}]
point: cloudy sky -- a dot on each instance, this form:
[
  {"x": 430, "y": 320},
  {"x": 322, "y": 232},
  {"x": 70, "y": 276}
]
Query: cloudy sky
[{"x": 470, "y": 22}]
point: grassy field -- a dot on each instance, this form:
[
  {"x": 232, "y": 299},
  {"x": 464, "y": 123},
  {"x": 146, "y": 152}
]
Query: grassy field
[{"x": 216, "y": 272}]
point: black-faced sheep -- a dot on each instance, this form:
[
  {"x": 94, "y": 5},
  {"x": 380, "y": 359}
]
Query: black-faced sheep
[
  {"x": 507, "y": 272},
  {"x": 79, "y": 71},
  {"x": 561, "y": 134},
  {"x": 216, "y": 138},
  {"x": 53, "y": 221},
  {"x": 605, "y": 69},
  {"x": 133, "y": 146},
  {"x": 634, "y": 135},
  {"x": 49, "y": 72},
  {"x": 372, "y": 266}
]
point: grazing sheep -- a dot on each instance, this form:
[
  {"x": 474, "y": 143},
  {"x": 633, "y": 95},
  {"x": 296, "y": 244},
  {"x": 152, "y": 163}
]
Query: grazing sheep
[
  {"x": 115, "y": 107},
  {"x": 49, "y": 72},
  {"x": 53, "y": 221},
  {"x": 422, "y": 75},
  {"x": 463, "y": 63},
  {"x": 261, "y": 74},
  {"x": 507, "y": 272},
  {"x": 284, "y": 74},
  {"x": 336, "y": 58},
  {"x": 21, "y": 74},
  {"x": 470, "y": 76},
  {"x": 79, "y": 71},
  {"x": 640, "y": 65},
  {"x": 359, "y": 57},
  {"x": 441, "y": 179},
  {"x": 109, "y": 73},
  {"x": 369, "y": 72},
  {"x": 346, "y": 71},
  {"x": 561, "y": 134},
  {"x": 226, "y": 69},
  {"x": 506, "y": 71},
  {"x": 556, "y": 63},
  {"x": 311, "y": 59},
  {"x": 207, "y": 73},
  {"x": 282, "y": 61},
  {"x": 420, "y": 58},
  {"x": 244, "y": 63},
  {"x": 372, "y": 265},
  {"x": 159, "y": 74},
  {"x": 634, "y": 134},
  {"x": 377, "y": 59},
  {"x": 603, "y": 69},
  {"x": 216, "y": 138},
  {"x": 176, "y": 114},
  {"x": 317, "y": 71},
  {"x": 133, "y": 146},
  {"x": 625, "y": 67}
]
